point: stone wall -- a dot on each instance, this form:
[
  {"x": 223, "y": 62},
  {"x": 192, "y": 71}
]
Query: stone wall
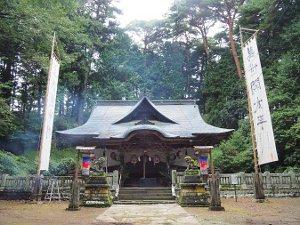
[
  {"x": 15, "y": 187},
  {"x": 275, "y": 184}
]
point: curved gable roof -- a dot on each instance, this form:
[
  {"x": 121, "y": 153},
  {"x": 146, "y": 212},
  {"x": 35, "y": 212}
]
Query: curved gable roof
[
  {"x": 144, "y": 110},
  {"x": 117, "y": 119}
]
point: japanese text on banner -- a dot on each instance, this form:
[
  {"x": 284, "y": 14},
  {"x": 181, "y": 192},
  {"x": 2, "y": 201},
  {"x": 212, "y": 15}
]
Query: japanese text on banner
[{"x": 264, "y": 137}]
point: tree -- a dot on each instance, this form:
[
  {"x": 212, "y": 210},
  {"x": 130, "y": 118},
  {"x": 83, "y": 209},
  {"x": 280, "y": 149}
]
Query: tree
[
  {"x": 279, "y": 25},
  {"x": 226, "y": 11},
  {"x": 193, "y": 14},
  {"x": 7, "y": 121}
]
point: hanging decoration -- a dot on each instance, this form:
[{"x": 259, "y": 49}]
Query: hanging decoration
[
  {"x": 172, "y": 156},
  {"x": 113, "y": 156},
  {"x": 86, "y": 165},
  {"x": 156, "y": 159},
  {"x": 134, "y": 159},
  {"x": 203, "y": 162}
]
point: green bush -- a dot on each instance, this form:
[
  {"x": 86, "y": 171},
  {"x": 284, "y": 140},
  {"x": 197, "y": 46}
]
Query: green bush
[
  {"x": 61, "y": 163},
  {"x": 9, "y": 163},
  {"x": 235, "y": 154}
]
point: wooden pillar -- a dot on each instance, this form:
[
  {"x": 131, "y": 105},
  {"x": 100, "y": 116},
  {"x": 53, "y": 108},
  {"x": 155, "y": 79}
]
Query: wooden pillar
[
  {"x": 215, "y": 199},
  {"x": 144, "y": 166},
  {"x": 74, "y": 201}
]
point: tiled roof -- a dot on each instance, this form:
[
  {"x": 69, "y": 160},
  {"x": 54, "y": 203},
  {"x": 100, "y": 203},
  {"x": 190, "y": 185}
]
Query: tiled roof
[{"x": 117, "y": 119}]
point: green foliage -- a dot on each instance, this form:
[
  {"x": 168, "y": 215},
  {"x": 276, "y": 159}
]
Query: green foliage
[
  {"x": 7, "y": 119},
  {"x": 236, "y": 153},
  {"x": 174, "y": 59},
  {"x": 222, "y": 98},
  {"x": 61, "y": 163},
  {"x": 193, "y": 172},
  {"x": 11, "y": 164},
  {"x": 279, "y": 53}
]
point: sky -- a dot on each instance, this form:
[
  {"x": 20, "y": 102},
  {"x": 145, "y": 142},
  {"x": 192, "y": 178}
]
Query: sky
[
  {"x": 142, "y": 10},
  {"x": 149, "y": 10}
]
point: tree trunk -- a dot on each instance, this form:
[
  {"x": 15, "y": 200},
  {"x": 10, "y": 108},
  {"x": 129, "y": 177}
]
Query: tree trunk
[
  {"x": 61, "y": 110},
  {"x": 39, "y": 100},
  {"x": 80, "y": 106},
  {"x": 205, "y": 41},
  {"x": 7, "y": 78},
  {"x": 184, "y": 67},
  {"x": 233, "y": 49},
  {"x": 81, "y": 95},
  {"x": 24, "y": 99}
]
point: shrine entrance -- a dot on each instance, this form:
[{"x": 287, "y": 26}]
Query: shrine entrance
[
  {"x": 146, "y": 173},
  {"x": 145, "y": 161}
]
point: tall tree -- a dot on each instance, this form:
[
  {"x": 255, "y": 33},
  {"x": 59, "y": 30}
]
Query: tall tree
[{"x": 226, "y": 11}]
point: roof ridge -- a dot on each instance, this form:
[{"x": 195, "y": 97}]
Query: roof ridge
[
  {"x": 141, "y": 106},
  {"x": 156, "y": 102}
]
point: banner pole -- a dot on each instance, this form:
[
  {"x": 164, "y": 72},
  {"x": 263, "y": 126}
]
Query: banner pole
[
  {"x": 51, "y": 77},
  {"x": 258, "y": 187}
]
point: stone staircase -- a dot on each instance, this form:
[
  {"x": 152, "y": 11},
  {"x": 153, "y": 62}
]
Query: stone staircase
[{"x": 145, "y": 195}]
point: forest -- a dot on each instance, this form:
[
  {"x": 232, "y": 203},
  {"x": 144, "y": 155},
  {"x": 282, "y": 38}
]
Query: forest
[{"x": 193, "y": 53}]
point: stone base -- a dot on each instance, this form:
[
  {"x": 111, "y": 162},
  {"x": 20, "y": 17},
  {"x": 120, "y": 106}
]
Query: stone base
[
  {"x": 216, "y": 208},
  {"x": 73, "y": 208},
  {"x": 260, "y": 200},
  {"x": 193, "y": 194},
  {"x": 97, "y": 195}
]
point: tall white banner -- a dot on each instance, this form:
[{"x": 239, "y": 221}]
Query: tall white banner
[
  {"x": 265, "y": 143},
  {"x": 50, "y": 99}
]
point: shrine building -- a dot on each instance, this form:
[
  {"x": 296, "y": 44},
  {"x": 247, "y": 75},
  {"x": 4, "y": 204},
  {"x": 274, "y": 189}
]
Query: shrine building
[{"x": 144, "y": 140}]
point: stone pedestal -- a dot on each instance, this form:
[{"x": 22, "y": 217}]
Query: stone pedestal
[
  {"x": 258, "y": 188},
  {"x": 193, "y": 194},
  {"x": 74, "y": 201},
  {"x": 97, "y": 193},
  {"x": 215, "y": 201}
]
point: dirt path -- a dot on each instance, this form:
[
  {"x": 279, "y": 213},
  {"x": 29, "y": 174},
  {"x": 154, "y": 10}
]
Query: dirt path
[
  {"x": 274, "y": 211},
  {"x": 146, "y": 214},
  {"x": 244, "y": 212},
  {"x": 20, "y": 213}
]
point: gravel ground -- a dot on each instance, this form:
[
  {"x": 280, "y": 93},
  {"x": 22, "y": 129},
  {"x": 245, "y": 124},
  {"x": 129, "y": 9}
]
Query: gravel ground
[
  {"x": 274, "y": 211},
  {"x": 245, "y": 211}
]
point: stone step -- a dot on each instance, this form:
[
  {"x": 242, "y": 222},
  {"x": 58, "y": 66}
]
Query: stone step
[
  {"x": 145, "y": 197},
  {"x": 145, "y": 193},
  {"x": 145, "y": 190},
  {"x": 143, "y": 202},
  {"x": 142, "y": 193}
]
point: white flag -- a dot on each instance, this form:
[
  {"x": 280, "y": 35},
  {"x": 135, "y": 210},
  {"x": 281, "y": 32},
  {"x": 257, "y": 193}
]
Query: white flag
[
  {"x": 45, "y": 143},
  {"x": 266, "y": 149}
]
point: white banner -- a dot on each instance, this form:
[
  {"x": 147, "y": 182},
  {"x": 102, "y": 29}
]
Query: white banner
[
  {"x": 50, "y": 99},
  {"x": 265, "y": 143}
]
